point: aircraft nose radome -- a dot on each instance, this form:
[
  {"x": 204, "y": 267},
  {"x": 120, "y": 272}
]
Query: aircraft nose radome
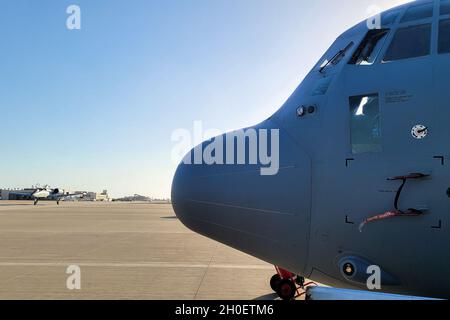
[
  {"x": 238, "y": 206},
  {"x": 181, "y": 186}
]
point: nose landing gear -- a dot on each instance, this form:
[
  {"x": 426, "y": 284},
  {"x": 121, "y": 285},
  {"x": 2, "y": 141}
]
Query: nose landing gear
[{"x": 287, "y": 285}]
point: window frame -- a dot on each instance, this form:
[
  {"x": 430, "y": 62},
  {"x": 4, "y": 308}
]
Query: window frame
[
  {"x": 380, "y": 148},
  {"x": 398, "y": 13},
  {"x": 446, "y": 18},
  {"x": 353, "y": 59},
  {"x": 399, "y": 27},
  {"x": 415, "y": 21}
]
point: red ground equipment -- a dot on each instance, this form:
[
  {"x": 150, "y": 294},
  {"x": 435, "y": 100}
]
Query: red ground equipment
[{"x": 288, "y": 285}]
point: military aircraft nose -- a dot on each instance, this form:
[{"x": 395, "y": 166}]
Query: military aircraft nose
[
  {"x": 183, "y": 183},
  {"x": 264, "y": 215}
]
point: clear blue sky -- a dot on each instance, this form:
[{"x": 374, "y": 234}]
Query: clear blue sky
[{"x": 95, "y": 108}]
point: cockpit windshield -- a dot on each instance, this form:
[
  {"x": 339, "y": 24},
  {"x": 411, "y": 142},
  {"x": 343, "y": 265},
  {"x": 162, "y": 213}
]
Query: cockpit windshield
[{"x": 370, "y": 47}]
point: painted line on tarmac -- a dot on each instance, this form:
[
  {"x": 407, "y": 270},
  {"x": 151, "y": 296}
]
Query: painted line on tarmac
[{"x": 135, "y": 265}]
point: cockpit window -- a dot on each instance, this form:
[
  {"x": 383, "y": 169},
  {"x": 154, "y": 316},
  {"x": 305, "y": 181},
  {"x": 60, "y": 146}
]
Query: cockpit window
[
  {"x": 336, "y": 58},
  {"x": 365, "y": 124},
  {"x": 419, "y": 12},
  {"x": 410, "y": 42},
  {"x": 389, "y": 17},
  {"x": 370, "y": 47},
  {"x": 444, "y": 36},
  {"x": 445, "y": 7}
]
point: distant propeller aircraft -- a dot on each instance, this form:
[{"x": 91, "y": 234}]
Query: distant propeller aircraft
[
  {"x": 46, "y": 193},
  {"x": 54, "y": 195}
]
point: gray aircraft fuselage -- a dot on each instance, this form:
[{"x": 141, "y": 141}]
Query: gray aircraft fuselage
[{"x": 381, "y": 108}]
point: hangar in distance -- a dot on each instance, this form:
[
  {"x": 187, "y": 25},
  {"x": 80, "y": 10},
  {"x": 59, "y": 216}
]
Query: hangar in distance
[{"x": 364, "y": 165}]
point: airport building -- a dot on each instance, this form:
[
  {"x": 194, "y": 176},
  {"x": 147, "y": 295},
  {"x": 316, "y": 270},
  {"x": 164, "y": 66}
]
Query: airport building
[
  {"x": 94, "y": 196},
  {"x": 26, "y": 194},
  {"x": 16, "y": 194}
]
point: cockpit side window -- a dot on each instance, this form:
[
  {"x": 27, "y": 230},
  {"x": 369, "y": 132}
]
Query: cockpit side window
[
  {"x": 419, "y": 12},
  {"x": 444, "y": 36},
  {"x": 410, "y": 42},
  {"x": 365, "y": 124},
  {"x": 370, "y": 47},
  {"x": 445, "y": 7}
]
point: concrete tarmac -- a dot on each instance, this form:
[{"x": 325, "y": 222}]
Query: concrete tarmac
[{"x": 124, "y": 250}]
